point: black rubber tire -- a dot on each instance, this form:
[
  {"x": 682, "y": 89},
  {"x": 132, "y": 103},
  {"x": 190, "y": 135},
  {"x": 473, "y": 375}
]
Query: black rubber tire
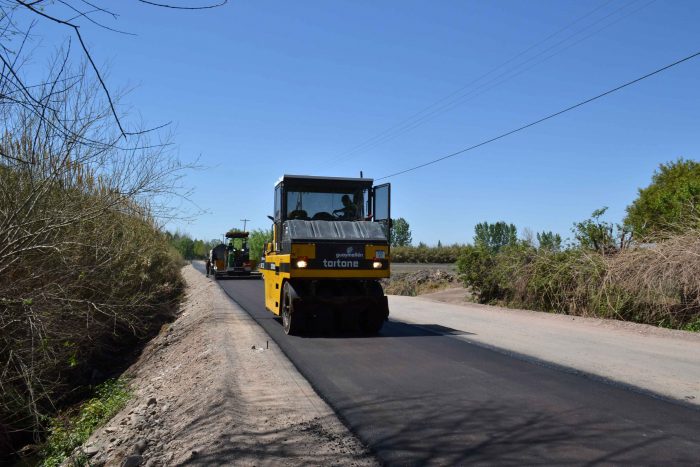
[
  {"x": 374, "y": 289},
  {"x": 291, "y": 322},
  {"x": 372, "y": 324},
  {"x": 373, "y": 320}
]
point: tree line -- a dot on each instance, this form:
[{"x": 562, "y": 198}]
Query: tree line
[{"x": 192, "y": 248}]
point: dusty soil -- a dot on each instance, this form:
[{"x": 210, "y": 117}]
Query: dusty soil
[
  {"x": 454, "y": 294},
  {"x": 213, "y": 389}
]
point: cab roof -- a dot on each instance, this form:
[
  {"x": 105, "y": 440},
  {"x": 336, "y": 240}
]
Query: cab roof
[
  {"x": 237, "y": 235},
  {"x": 321, "y": 183}
]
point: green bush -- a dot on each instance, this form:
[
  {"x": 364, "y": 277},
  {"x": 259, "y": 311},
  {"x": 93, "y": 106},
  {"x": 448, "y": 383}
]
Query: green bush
[
  {"x": 669, "y": 202},
  {"x": 67, "y": 433},
  {"x": 560, "y": 281},
  {"x": 523, "y": 276},
  {"x": 476, "y": 269}
]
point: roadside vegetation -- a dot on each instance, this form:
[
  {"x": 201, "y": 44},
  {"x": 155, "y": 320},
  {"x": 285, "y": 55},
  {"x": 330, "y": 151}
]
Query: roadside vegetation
[
  {"x": 86, "y": 271},
  {"x": 643, "y": 270},
  {"x": 71, "y": 430}
]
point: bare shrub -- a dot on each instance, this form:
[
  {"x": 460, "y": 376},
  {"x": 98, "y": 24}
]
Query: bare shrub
[
  {"x": 659, "y": 283},
  {"x": 655, "y": 283},
  {"x": 418, "y": 282},
  {"x": 84, "y": 268}
]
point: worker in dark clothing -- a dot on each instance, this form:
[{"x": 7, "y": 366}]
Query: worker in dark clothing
[
  {"x": 208, "y": 266},
  {"x": 349, "y": 210}
]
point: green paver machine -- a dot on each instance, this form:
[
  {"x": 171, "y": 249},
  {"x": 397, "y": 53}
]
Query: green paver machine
[{"x": 233, "y": 260}]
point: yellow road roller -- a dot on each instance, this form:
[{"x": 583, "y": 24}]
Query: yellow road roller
[{"x": 329, "y": 250}]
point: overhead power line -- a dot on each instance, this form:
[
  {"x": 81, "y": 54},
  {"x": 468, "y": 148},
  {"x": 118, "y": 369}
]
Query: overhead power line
[
  {"x": 536, "y": 122},
  {"x": 464, "y": 93}
]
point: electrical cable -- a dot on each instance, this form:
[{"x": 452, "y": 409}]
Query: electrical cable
[
  {"x": 457, "y": 97},
  {"x": 548, "y": 117},
  {"x": 507, "y": 75}
]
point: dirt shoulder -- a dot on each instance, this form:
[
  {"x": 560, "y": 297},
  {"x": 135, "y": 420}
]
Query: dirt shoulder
[
  {"x": 209, "y": 391},
  {"x": 661, "y": 361}
]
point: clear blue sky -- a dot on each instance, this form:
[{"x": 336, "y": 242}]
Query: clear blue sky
[{"x": 257, "y": 89}]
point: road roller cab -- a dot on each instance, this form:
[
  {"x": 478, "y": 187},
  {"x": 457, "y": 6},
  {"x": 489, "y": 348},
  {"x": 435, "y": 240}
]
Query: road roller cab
[{"x": 330, "y": 248}]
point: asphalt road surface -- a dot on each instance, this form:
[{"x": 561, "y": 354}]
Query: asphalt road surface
[{"x": 418, "y": 397}]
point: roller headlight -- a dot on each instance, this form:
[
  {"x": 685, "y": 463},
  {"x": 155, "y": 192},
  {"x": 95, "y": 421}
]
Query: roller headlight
[
  {"x": 377, "y": 265},
  {"x": 302, "y": 263}
]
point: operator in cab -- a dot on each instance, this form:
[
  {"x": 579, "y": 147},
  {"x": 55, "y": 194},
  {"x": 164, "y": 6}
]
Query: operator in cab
[{"x": 349, "y": 210}]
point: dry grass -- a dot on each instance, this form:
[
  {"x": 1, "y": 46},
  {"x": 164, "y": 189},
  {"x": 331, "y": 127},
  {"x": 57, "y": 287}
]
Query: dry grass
[
  {"x": 661, "y": 283},
  {"x": 654, "y": 283},
  {"x": 418, "y": 282}
]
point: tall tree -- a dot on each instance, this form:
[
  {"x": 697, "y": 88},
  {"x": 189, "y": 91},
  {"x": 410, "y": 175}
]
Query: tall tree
[
  {"x": 256, "y": 242},
  {"x": 400, "y": 233},
  {"x": 670, "y": 203},
  {"x": 549, "y": 241},
  {"x": 494, "y": 236},
  {"x": 599, "y": 235}
]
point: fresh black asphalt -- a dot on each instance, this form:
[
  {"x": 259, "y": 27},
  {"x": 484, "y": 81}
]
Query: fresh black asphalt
[{"x": 418, "y": 397}]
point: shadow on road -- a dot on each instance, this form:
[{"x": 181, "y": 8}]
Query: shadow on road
[
  {"x": 494, "y": 433},
  {"x": 443, "y": 330},
  {"x": 485, "y": 433},
  {"x": 390, "y": 329},
  {"x": 237, "y": 278}
]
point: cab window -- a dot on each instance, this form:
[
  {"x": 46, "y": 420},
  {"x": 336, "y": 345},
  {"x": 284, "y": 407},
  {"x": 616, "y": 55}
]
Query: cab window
[{"x": 328, "y": 206}]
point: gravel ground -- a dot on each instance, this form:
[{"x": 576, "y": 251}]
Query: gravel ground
[{"x": 213, "y": 389}]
